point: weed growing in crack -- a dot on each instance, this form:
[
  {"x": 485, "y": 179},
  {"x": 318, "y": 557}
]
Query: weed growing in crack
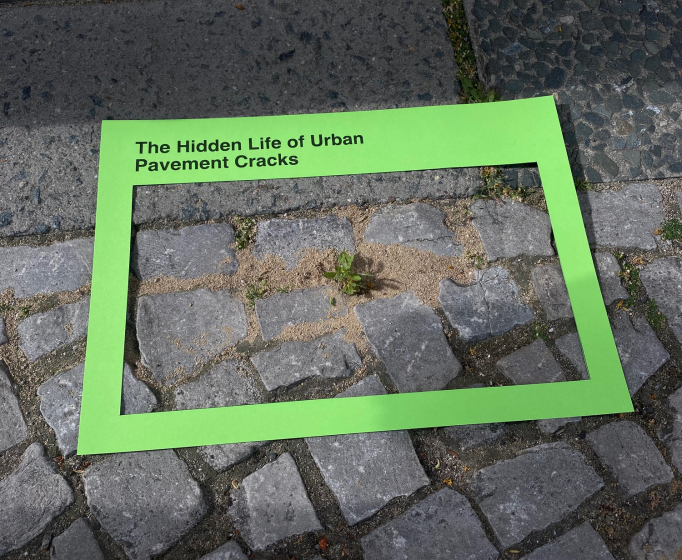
[
  {"x": 477, "y": 260},
  {"x": 244, "y": 230},
  {"x": 495, "y": 186},
  {"x": 256, "y": 291},
  {"x": 671, "y": 230},
  {"x": 656, "y": 319},
  {"x": 630, "y": 278},
  {"x": 349, "y": 281},
  {"x": 583, "y": 185}
]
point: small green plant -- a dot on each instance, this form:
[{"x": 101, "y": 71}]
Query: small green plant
[
  {"x": 5, "y": 308},
  {"x": 256, "y": 291},
  {"x": 350, "y": 282},
  {"x": 244, "y": 231},
  {"x": 654, "y": 316},
  {"x": 495, "y": 186},
  {"x": 583, "y": 185},
  {"x": 671, "y": 230},
  {"x": 541, "y": 331},
  {"x": 477, "y": 260},
  {"x": 630, "y": 277},
  {"x": 471, "y": 93},
  {"x": 25, "y": 310},
  {"x": 284, "y": 289}
]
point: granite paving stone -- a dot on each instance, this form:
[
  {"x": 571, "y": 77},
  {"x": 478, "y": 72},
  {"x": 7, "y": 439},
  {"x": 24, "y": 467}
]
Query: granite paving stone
[
  {"x": 582, "y": 542},
  {"x": 531, "y": 364},
  {"x": 631, "y": 455},
  {"x": 228, "y": 551},
  {"x": 31, "y": 497},
  {"x": 663, "y": 282},
  {"x": 408, "y": 338},
  {"x": 549, "y": 286},
  {"x": 225, "y": 384},
  {"x": 607, "y": 269},
  {"x": 76, "y": 543},
  {"x": 569, "y": 345},
  {"x": 535, "y": 489},
  {"x": 13, "y": 428},
  {"x": 489, "y": 307},
  {"x": 179, "y": 331},
  {"x": 509, "y": 228},
  {"x": 60, "y": 267},
  {"x": 42, "y": 333},
  {"x": 3, "y": 332},
  {"x": 415, "y": 225},
  {"x": 146, "y": 501},
  {"x": 309, "y": 305},
  {"x": 674, "y": 439},
  {"x": 328, "y": 356},
  {"x": 60, "y": 403},
  {"x": 473, "y": 435},
  {"x": 357, "y": 469},
  {"x": 187, "y": 252},
  {"x": 288, "y": 239},
  {"x": 625, "y": 218},
  {"x": 551, "y": 425},
  {"x": 443, "y": 526},
  {"x": 661, "y": 538},
  {"x": 272, "y": 504}
]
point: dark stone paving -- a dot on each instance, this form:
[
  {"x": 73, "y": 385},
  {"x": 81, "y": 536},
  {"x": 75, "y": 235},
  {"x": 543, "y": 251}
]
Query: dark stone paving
[
  {"x": 76, "y": 542},
  {"x": 531, "y": 364},
  {"x": 660, "y": 538},
  {"x": 229, "y": 551},
  {"x": 663, "y": 282},
  {"x": 674, "y": 439},
  {"x": 582, "y": 542},
  {"x": 12, "y": 424}
]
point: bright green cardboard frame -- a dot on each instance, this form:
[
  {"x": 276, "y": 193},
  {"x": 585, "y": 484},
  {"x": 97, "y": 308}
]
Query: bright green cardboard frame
[{"x": 504, "y": 133}]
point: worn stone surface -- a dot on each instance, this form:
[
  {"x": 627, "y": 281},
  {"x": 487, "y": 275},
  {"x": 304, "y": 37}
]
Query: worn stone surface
[
  {"x": 531, "y": 364},
  {"x": 551, "y": 425},
  {"x": 75, "y": 543},
  {"x": 32, "y": 496},
  {"x": 42, "y": 333},
  {"x": 226, "y": 384},
  {"x": 272, "y": 503},
  {"x": 179, "y": 331},
  {"x": 309, "y": 305},
  {"x": 408, "y": 337},
  {"x": 489, "y": 307},
  {"x": 229, "y": 551},
  {"x": 328, "y": 356},
  {"x": 509, "y": 228},
  {"x": 60, "y": 403},
  {"x": 415, "y": 225},
  {"x": 674, "y": 440},
  {"x": 60, "y": 267},
  {"x": 288, "y": 239},
  {"x": 549, "y": 286},
  {"x": 625, "y": 218},
  {"x": 146, "y": 501},
  {"x": 13, "y": 428},
  {"x": 362, "y": 476},
  {"x": 569, "y": 345},
  {"x": 661, "y": 538},
  {"x": 440, "y": 527},
  {"x": 663, "y": 282},
  {"x": 582, "y": 542},
  {"x": 468, "y": 437},
  {"x": 3, "y": 332},
  {"x": 188, "y": 252},
  {"x": 528, "y": 493},
  {"x": 607, "y": 268},
  {"x": 631, "y": 455}
]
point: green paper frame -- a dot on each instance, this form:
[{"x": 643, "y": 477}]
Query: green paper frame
[{"x": 493, "y": 134}]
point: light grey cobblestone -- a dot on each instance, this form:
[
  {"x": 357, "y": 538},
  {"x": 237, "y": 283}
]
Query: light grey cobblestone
[
  {"x": 31, "y": 497},
  {"x": 408, "y": 337},
  {"x": 76, "y": 543},
  {"x": 528, "y": 493},
  {"x": 42, "y": 333},
  {"x": 663, "y": 282},
  {"x": 362, "y": 476},
  {"x": 178, "y": 331},
  {"x": 660, "y": 539},
  {"x": 531, "y": 364},
  {"x": 309, "y": 305},
  {"x": 607, "y": 268},
  {"x": 146, "y": 501},
  {"x": 582, "y": 543},
  {"x": 188, "y": 252},
  {"x": 511, "y": 228},
  {"x": 328, "y": 356},
  {"x": 631, "y": 455},
  {"x": 674, "y": 440},
  {"x": 272, "y": 503},
  {"x": 288, "y": 239},
  {"x": 549, "y": 286},
  {"x": 551, "y": 425},
  {"x": 489, "y": 307},
  {"x": 60, "y": 403},
  {"x": 440, "y": 527},
  {"x": 61, "y": 267},
  {"x": 3, "y": 332},
  {"x": 416, "y": 225},
  {"x": 569, "y": 345},
  {"x": 228, "y": 551},
  {"x": 468, "y": 437},
  {"x": 13, "y": 427}
]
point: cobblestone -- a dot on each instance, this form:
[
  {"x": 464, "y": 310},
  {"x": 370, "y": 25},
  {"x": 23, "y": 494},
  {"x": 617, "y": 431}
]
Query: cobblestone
[
  {"x": 229, "y": 551},
  {"x": 582, "y": 542},
  {"x": 146, "y": 501},
  {"x": 272, "y": 503},
  {"x": 489, "y": 307},
  {"x": 440, "y": 527},
  {"x": 178, "y": 331},
  {"x": 531, "y": 364},
  {"x": 309, "y": 305},
  {"x": 31, "y": 497},
  {"x": 13, "y": 428},
  {"x": 549, "y": 286},
  {"x": 415, "y": 225},
  {"x": 660, "y": 538},
  {"x": 61, "y": 267},
  {"x": 42, "y": 333},
  {"x": 631, "y": 456},
  {"x": 3, "y": 332},
  {"x": 510, "y": 228},
  {"x": 569, "y": 345},
  {"x": 288, "y": 239},
  {"x": 663, "y": 282},
  {"x": 607, "y": 268},
  {"x": 468, "y": 437},
  {"x": 77, "y": 542},
  {"x": 674, "y": 440},
  {"x": 528, "y": 493},
  {"x": 328, "y": 356},
  {"x": 362, "y": 476},
  {"x": 188, "y": 252},
  {"x": 408, "y": 337},
  {"x": 60, "y": 403}
]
